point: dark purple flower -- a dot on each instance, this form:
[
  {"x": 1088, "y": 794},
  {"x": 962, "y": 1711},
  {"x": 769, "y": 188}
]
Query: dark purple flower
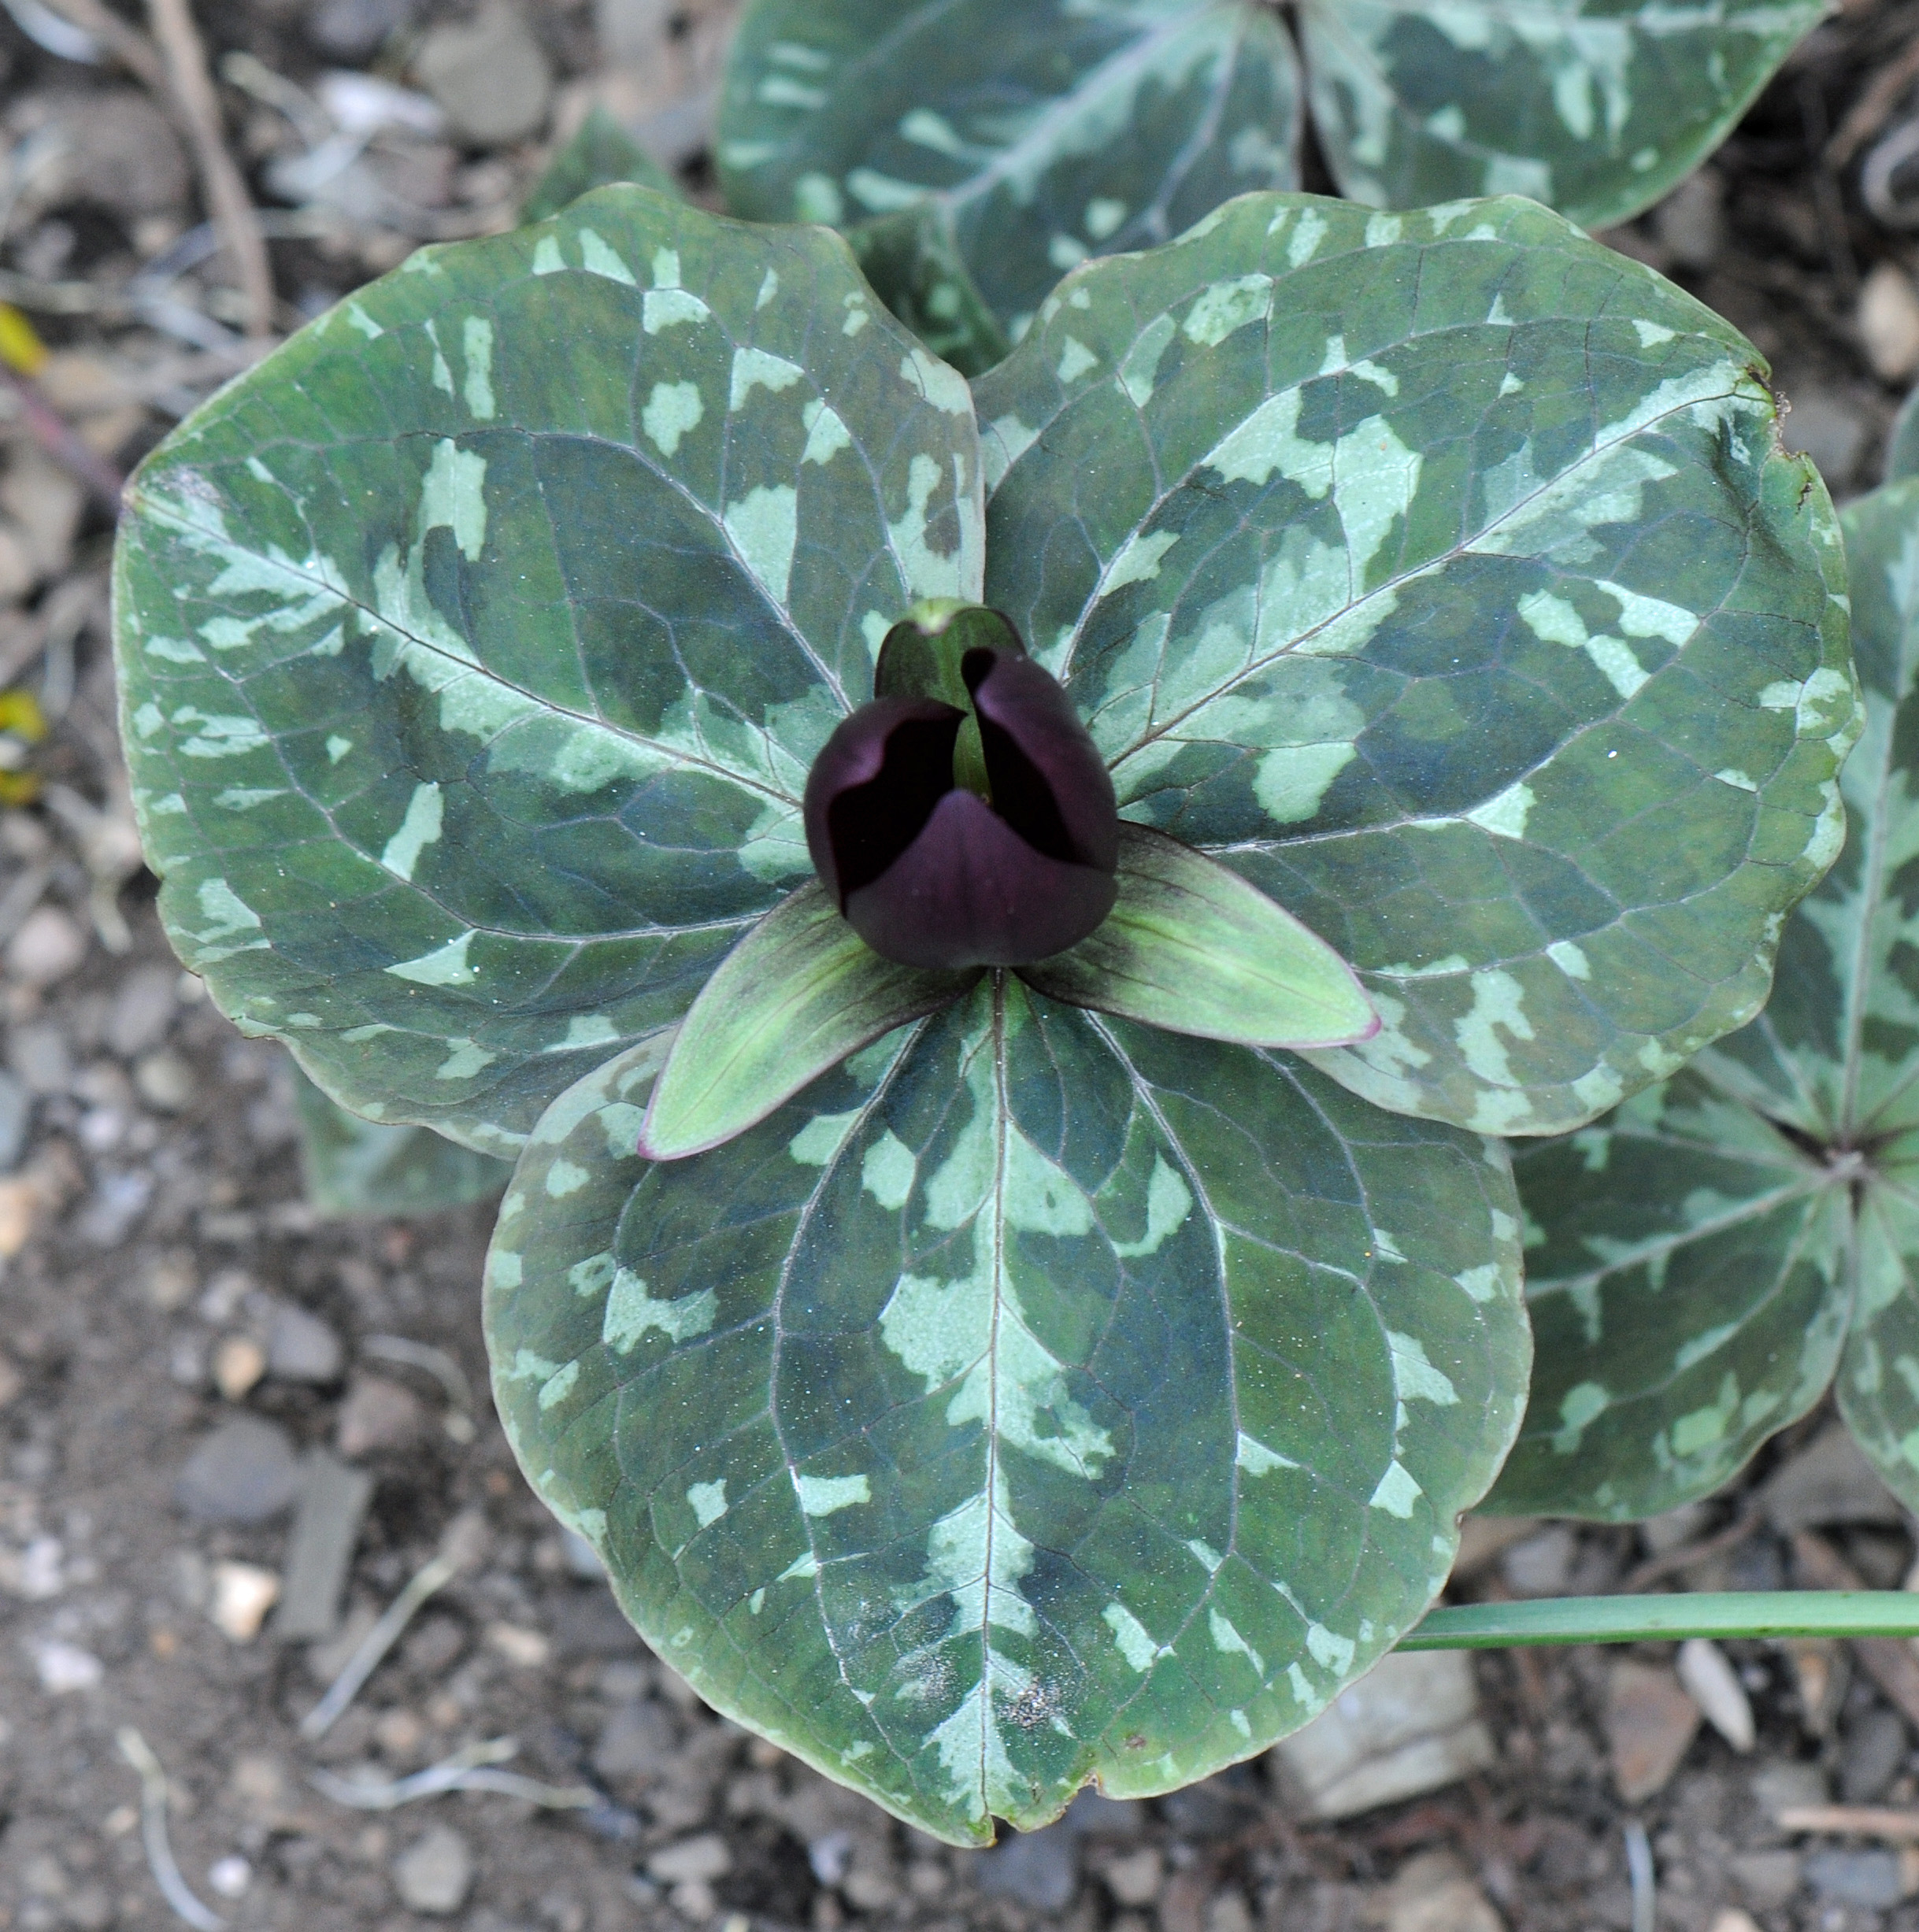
[{"x": 931, "y": 873}]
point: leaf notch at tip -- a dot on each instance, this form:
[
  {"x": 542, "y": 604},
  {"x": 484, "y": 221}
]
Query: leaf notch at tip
[
  {"x": 1194, "y": 948},
  {"x": 800, "y": 992}
]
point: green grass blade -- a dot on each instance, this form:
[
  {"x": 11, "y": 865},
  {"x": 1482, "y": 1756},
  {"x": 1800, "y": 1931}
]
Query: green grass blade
[{"x": 1637, "y": 1619}]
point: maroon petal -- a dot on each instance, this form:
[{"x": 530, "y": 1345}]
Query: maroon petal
[
  {"x": 874, "y": 786},
  {"x": 970, "y": 891},
  {"x": 1050, "y": 783}
]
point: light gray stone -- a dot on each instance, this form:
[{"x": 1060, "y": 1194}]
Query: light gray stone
[
  {"x": 1039, "y": 1870},
  {"x": 491, "y": 75},
  {"x": 1408, "y": 1727},
  {"x": 300, "y": 1346},
  {"x": 246, "y": 1471},
  {"x": 1828, "y": 1480},
  {"x": 142, "y": 1010},
  {"x": 326, "y": 1527},
  {"x": 434, "y": 1874}
]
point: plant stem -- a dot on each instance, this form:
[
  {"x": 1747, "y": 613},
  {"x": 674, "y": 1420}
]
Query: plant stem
[{"x": 1634, "y": 1619}]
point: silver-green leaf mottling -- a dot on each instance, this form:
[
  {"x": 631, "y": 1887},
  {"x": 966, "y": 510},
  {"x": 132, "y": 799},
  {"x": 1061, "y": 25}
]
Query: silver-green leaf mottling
[
  {"x": 1595, "y": 107},
  {"x": 474, "y": 649},
  {"x": 1706, "y": 1261},
  {"x": 1039, "y": 1397},
  {"x": 1443, "y": 574},
  {"x": 1046, "y": 131}
]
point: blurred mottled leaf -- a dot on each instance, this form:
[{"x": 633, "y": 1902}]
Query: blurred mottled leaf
[
  {"x": 1043, "y": 130},
  {"x": 1595, "y": 107},
  {"x": 356, "y": 1167},
  {"x": 601, "y": 152}
]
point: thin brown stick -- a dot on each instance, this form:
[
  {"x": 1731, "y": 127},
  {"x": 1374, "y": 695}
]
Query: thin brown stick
[
  {"x": 1887, "y": 1660},
  {"x": 1859, "y": 1821},
  {"x": 126, "y": 43},
  {"x": 1655, "y": 1568},
  {"x": 227, "y": 204},
  {"x": 63, "y": 443},
  {"x": 1869, "y": 113}
]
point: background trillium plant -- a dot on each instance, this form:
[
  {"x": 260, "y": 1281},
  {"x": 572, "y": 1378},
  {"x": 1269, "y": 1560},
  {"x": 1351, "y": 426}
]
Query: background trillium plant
[{"x": 1041, "y": 1375}]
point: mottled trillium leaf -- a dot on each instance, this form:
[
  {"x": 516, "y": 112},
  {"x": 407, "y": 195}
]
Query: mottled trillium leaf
[
  {"x": 797, "y": 995},
  {"x": 1443, "y": 574},
  {"x": 913, "y": 258},
  {"x": 600, "y": 152},
  {"x": 1040, "y": 1398},
  {"x": 1703, "y": 1261},
  {"x": 1903, "y": 444},
  {"x": 1044, "y": 131},
  {"x": 474, "y": 647},
  {"x": 1595, "y": 107},
  {"x": 1191, "y": 947},
  {"x": 356, "y": 1167}
]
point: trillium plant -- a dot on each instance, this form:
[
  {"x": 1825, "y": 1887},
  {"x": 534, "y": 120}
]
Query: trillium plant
[{"x": 1002, "y": 924}]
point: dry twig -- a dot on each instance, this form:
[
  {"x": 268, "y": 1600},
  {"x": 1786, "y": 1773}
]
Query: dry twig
[
  {"x": 1869, "y": 113},
  {"x": 139, "y": 1754},
  {"x": 1655, "y": 1568},
  {"x": 127, "y": 44},
  {"x": 1887, "y": 1660},
  {"x": 1859, "y": 1821},
  {"x": 227, "y": 201}
]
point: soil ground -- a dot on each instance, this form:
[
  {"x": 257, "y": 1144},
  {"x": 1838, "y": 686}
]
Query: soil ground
[{"x": 153, "y": 1228}]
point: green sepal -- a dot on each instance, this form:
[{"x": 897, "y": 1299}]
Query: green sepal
[
  {"x": 600, "y": 153},
  {"x": 797, "y": 994},
  {"x": 1192, "y": 947},
  {"x": 920, "y": 657},
  {"x": 913, "y": 259}
]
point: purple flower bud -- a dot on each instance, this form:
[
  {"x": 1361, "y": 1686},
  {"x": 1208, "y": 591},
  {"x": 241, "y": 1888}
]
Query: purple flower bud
[{"x": 931, "y": 874}]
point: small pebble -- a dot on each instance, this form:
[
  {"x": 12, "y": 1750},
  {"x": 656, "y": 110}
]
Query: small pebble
[
  {"x": 20, "y": 1207},
  {"x": 1888, "y": 323},
  {"x": 246, "y": 1471},
  {"x": 142, "y": 1010},
  {"x": 355, "y": 30},
  {"x": 491, "y": 75},
  {"x": 434, "y": 1874},
  {"x": 636, "y": 1741},
  {"x": 48, "y": 946},
  {"x": 41, "y": 1058},
  {"x": 301, "y": 1347},
  {"x": 1713, "y": 1685},
  {"x": 163, "y": 1080},
  {"x": 1135, "y": 1879},
  {"x": 1649, "y": 1721},
  {"x": 1867, "y": 1878},
  {"x": 379, "y": 1414},
  {"x": 1038, "y": 1870},
  {"x": 230, "y": 1877},
  {"x": 239, "y": 1363},
  {"x": 525, "y": 1649},
  {"x": 63, "y": 1668},
  {"x": 243, "y": 1595},
  {"x": 691, "y": 1861}
]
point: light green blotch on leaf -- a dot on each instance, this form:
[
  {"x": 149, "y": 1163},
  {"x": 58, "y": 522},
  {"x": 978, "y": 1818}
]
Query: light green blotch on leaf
[
  {"x": 754, "y": 369},
  {"x": 425, "y": 812},
  {"x": 1135, "y": 1640},
  {"x": 1415, "y": 1379},
  {"x": 452, "y": 497},
  {"x": 597, "y": 258},
  {"x": 559, "y": 1386},
  {"x": 1075, "y": 360},
  {"x": 1226, "y": 307},
  {"x": 476, "y": 346},
  {"x": 826, "y": 434},
  {"x": 1256, "y": 1460},
  {"x": 445, "y": 966},
  {"x": 824, "y": 1495},
  {"x": 547, "y": 260},
  {"x": 1227, "y": 1639},
  {"x": 565, "y": 1177},
  {"x": 707, "y": 1502},
  {"x": 631, "y": 1312},
  {"x": 1168, "y": 1201},
  {"x": 1582, "y": 1405},
  {"x": 1700, "y": 1428},
  {"x": 1505, "y": 814},
  {"x": 465, "y": 1059},
  {"x": 887, "y": 1171},
  {"x": 1292, "y": 780},
  {"x": 764, "y": 526},
  {"x": 673, "y": 411},
  {"x": 1397, "y": 1493},
  {"x": 816, "y": 1144}
]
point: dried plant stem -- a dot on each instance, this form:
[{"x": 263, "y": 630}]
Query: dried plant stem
[
  {"x": 139, "y": 1754},
  {"x": 381, "y": 1638},
  {"x": 228, "y": 203}
]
